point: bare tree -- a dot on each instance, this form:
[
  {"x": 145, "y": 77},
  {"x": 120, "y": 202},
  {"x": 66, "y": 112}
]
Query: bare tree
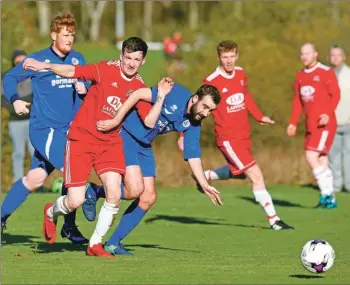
[
  {"x": 44, "y": 18},
  {"x": 238, "y": 9},
  {"x": 95, "y": 11},
  {"x": 147, "y": 20},
  {"x": 194, "y": 15},
  {"x": 66, "y": 5},
  {"x": 335, "y": 12},
  {"x": 119, "y": 20}
]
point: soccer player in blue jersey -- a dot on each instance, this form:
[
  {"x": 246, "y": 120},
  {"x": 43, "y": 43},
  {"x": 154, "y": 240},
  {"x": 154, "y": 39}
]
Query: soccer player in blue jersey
[
  {"x": 179, "y": 111},
  {"x": 55, "y": 103}
]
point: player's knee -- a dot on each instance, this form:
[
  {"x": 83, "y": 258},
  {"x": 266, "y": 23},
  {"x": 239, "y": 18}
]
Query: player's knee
[
  {"x": 75, "y": 202},
  {"x": 34, "y": 179},
  {"x": 148, "y": 199},
  {"x": 135, "y": 190}
]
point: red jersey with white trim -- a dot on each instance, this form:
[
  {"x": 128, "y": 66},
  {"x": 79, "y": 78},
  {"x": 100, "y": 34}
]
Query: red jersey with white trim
[
  {"x": 106, "y": 95},
  {"x": 316, "y": 91},
  {"x": 231, "y": 115}
]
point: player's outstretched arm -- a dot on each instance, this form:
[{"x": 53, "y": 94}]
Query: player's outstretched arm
[
  {"x": 144, "y": 94},
  {"x": 164, "y": 87},
  {"x": 198, "y": 172},
  {"x": 64, "y": 70}
]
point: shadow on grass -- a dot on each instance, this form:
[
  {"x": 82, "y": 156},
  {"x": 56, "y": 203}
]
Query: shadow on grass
[
  {"x": 311, "y": 186},
  {"x": 304, "y": 276},
  {"x": 199, "y": 221},
  {"x": 276, "y": 202},
  {"x": 43, "y": 247},
  {"x": 157, "y": 246},
  {"x": 8, "y": 239}
]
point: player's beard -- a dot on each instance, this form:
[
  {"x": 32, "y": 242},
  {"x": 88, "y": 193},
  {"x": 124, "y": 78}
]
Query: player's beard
[
  {"x": 194, "y": 113},
  {"x": 63, "y": 48}
]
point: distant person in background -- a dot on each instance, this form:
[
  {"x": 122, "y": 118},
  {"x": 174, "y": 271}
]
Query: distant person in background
[
  {"x": 171, "y": 46},
  {"x": 339, "y": 155},
  {"x": 19, "y": 125},
  {"x": 316, "y": 93}
]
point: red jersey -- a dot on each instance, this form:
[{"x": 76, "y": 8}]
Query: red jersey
[
  {"x": 231, "y": 115},
  {"x": 106, "y": 95},
  {"x": 316, "y": 91}
]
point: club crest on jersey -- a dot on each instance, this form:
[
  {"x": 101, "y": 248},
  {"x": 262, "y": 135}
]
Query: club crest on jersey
[
  {"x": 75, "y": 61},
  {"x": 235, "y": 102},
  {"x": 316, "y": 78},
  {"x": 186, "y": 123},
  {"x": 242, "y": 82},
  {"x": 224, "y": 90},
  {"x": 307, "y": 93},
  {"x": 115, "y": 84}
]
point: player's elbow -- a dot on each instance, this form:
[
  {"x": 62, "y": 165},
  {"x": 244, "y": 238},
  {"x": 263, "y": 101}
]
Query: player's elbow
[{"x": 149, "y": 123}]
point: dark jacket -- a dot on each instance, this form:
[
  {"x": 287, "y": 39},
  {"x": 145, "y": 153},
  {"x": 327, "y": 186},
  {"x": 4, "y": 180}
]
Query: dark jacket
[{"x": 24, "y": 91}]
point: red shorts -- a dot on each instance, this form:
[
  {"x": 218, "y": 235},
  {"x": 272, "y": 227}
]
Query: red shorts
[
  {"x": 81, "y": 156},
  {"x": 237, "y": 154},
  {"x": 320, "y": 139}
]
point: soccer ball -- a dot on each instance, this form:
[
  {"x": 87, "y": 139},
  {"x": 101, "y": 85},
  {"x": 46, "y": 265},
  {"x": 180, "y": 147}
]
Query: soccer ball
[
  {"x": 57, "y": 185},
  {"x": 317, "y": 256}
]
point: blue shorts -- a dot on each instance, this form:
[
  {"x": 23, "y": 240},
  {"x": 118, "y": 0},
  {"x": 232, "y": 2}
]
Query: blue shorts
[
  {"x": 137, "y": 153},
  {"x": 49, "y": 145}
]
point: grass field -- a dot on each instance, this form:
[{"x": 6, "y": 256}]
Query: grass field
[{"x": 186, "y": 240}]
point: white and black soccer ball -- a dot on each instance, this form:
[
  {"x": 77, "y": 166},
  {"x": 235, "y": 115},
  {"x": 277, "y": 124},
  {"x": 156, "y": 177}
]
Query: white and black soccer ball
[{"x": 317, "y": 256}]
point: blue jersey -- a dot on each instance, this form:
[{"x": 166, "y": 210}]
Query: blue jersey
[
  {"x": 55, "y": 101},
  {"x": 173, "y": 117}
]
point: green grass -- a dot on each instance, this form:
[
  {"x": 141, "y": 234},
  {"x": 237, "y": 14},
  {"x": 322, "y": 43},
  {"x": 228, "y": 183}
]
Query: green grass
[{"x": 186, "y": 240}]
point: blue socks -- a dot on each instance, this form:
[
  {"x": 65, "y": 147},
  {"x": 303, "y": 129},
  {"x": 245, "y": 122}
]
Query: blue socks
[
  {"x": 14, "y": 198},
  {"x": 130, "y": 219}
]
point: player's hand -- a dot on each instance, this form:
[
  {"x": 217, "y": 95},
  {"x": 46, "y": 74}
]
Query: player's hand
[
  {"x": 33, "y": 64},
  {"x": 291, "y": 130},
  {"x": 21, "y": 107},
  {"x": 180, "y": 143},
  {"x": 80, "y": 88},
  {"x": 106, "y": 125},
  {"x": 213, "y": 194},
  {"x": 266, "y": 121},
  {"x": 323, "y": 120},
  {"x": 164, "y": 86}
]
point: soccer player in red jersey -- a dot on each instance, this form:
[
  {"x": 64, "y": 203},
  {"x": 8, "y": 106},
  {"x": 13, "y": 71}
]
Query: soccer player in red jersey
[
  {"x": 232, "y": 129},
  {"x": 316, "y": 91},
  {"x": 86, "y": 146}
]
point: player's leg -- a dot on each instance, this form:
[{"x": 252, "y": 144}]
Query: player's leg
[
  {"x": 263, "y": 197},
  {"x": 132, "y": 217},
  {"x": 346, "y": 157},
  {"x": 132, "y": 184},
  {"x": 335, "y": 162},
  {"x": 20, "y": 190},
  {"x": 78, "y": 161},
  {"x": 55, "y": 153},
  {"x": 110, "y": 208},
  {"x": 109, "y": 165},
  {"x": 222, "y": 173},
  {"x": 317, "y": 144},
  {"x": 139, "y": 207},
  {"x": 63, "y": 206}
]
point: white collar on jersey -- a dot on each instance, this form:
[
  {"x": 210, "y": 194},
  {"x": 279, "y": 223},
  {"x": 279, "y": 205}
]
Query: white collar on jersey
[
  {"x": 224, "y": 74},
  {"x": 309, "y": 70}
]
